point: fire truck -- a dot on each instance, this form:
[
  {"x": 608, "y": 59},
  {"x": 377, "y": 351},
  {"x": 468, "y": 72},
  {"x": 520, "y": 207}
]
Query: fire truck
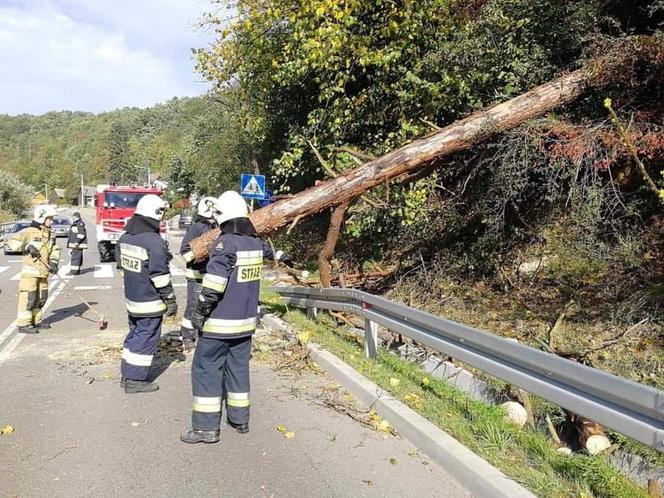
[{"x": 115, "y": 206}]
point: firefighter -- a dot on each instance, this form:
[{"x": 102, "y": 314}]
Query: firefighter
[
  {"x": 41, "y": 256},
  {"x": 77, "y": 242},
  {"x": 226, "y": 313},
  {"x": 195, "y": 269},
  {"x": 142, "y": 255}
]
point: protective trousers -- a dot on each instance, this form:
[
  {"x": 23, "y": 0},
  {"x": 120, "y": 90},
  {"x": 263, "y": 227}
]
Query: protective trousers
[
  {"x": 186, "y": 328},
  {"x": 32, "y": 296},
  {"x": 220, "y": 370},
  {"x": 76, "y": 263},
  {"x": 140, "y": 346}
]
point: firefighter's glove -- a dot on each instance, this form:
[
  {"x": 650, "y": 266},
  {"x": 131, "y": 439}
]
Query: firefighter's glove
[
  {"x": 171, "y": 309},
  {"x": 53, "y": 268},
  {"x": 197, "y": 319},
  {"x": 32, "y": 251}
]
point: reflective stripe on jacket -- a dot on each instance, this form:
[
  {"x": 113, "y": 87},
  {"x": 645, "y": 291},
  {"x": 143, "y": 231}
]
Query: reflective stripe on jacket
[
  {"x": 78, "y": 236},
  {"x": 234, "y": 272},
  {"x": 195, "y": 269},
  {"x": 144, "y": 260}
]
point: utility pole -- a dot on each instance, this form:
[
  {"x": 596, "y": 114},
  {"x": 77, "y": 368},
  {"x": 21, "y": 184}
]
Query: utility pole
[
  {"x": 82, "y": 197},
  {"x": 149, "y": 178}
]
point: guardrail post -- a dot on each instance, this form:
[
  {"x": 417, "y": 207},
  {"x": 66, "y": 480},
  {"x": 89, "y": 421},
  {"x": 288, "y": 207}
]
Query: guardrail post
[
  {"x": 312, "y": 313},
  {"x": 370, "y": 338}
]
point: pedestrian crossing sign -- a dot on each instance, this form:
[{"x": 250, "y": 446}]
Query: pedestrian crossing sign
[{"x": 252, "y": 186}]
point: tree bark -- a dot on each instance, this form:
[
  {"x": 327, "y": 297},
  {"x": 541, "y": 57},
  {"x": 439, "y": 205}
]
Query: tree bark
[
  {"x": 456, "y": 137},
  {"x": 326, "y": 254}
]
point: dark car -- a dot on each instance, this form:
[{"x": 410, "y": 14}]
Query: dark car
[
  {"x": 61, "y": 226},
  {"x": 186, "y": 221},
  {"x": 17, "y": 227}
]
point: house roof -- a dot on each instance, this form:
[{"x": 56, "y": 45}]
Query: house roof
[
  {"x": 88, "y": 191},
  {"x": 60, "y": 192}
]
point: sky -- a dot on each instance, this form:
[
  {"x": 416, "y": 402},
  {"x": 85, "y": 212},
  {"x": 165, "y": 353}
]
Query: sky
[{"x": 97, "y": 55}]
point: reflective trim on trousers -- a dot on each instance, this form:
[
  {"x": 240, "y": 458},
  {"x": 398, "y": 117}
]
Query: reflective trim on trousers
[
  {"x": 237, "y": 400},
  {"x": 138, "y": 360},
  {"x": 156, "y": 306},
  {"x": 161, "y": 280},
  {"x": 215, "y": 282},
  {"x": 186, "y": 323},
  {"x": 220, "y": 326},
  {"x": 205, "y": 404},
  {"x": 188, "y": 256}
]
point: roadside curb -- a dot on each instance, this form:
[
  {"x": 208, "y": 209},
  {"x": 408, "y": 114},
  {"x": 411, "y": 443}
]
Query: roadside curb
[{"x": 473, "y": 472}]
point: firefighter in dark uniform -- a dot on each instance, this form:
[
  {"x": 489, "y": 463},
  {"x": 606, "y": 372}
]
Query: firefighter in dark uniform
[
  {"x": 226, "y": 314},
  {"x": 143, "y": 256},
  {"x": 195, "y": 269},
  {"x": 77, "y": 242}
]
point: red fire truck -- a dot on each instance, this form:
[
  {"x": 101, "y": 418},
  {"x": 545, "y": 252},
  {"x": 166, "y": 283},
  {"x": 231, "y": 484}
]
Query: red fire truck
[{"x": 115, "y": 205}]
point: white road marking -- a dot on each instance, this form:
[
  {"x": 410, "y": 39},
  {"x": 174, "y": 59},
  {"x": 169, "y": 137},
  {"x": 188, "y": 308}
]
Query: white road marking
[
  {"x": 4, "y": 269},
  {"x": 63, "y": 272},
  {"x": 104, "y": 271},
  {"x": 11, "y": 345},
  {"x": 16, "y": 277},
  {"x": 15, "y": 261},
  {"x": 92, "y": 287}
]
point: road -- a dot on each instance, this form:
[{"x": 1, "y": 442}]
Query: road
[{"x": 77, "y": 434}]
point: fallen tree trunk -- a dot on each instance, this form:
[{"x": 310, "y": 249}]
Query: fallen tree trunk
[{"x": 456, "y": 137}]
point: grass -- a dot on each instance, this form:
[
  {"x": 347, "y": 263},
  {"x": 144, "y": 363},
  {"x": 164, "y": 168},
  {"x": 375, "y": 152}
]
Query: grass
[{"x": 525, "y": 455}]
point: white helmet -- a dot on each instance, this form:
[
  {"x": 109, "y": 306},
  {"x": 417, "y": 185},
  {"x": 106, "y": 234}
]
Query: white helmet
[
  {"x": 151, "y": 206},
  {"x": 207, "y": 207},
  {"x": 42, "y": 212},
  {"x": 231, "y": 205}
]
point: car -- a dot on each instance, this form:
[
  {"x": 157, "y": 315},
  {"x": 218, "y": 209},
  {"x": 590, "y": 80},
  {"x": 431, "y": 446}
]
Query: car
[
  {"x": 61, "y": 225},
  {"x": 14, "y": 229},
  {"x": 186, "y": 220}
]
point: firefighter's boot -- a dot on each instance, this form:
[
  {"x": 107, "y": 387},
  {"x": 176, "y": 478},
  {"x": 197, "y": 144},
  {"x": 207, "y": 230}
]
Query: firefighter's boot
[
  {"x": 42, "y": 325},
  {"x": 193, "y": 436},
  {"x": 241, "y": 428},
  {"x": 27, "y": 329},
  {"x": 140, "y": 386}
]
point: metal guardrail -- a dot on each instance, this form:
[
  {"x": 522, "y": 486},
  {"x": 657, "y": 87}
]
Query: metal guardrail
[{"x": 627, "y": 407}]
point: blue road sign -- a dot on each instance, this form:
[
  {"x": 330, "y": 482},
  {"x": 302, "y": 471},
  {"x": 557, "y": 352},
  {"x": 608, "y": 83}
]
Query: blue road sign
[{"x": 252, "y": 186}]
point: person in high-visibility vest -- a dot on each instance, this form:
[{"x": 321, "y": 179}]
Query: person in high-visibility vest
[{"x": 41, "y": 256}]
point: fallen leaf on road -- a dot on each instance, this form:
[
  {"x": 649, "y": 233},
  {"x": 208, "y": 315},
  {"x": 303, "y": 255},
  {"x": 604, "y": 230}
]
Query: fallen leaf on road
[
  {"x": 368, "y": 483},
  {"x": 333, "y": 439},
  {"x": 393, "y": 461},
  {"x": 289, "y": 435},
  {"x": 7, "y": 429},
  {"x": 135, "y": 424},
  {"x": 394, "y": 382},
  {"x": 281, "y": 428},
  {"x": 384, "y": 426}
]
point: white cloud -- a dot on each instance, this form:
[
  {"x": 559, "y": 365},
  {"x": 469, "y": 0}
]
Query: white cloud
[{"x": 96, "y": 56}]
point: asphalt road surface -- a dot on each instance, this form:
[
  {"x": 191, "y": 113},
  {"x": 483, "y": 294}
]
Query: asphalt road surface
[{"x": 77, "y": 434}]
